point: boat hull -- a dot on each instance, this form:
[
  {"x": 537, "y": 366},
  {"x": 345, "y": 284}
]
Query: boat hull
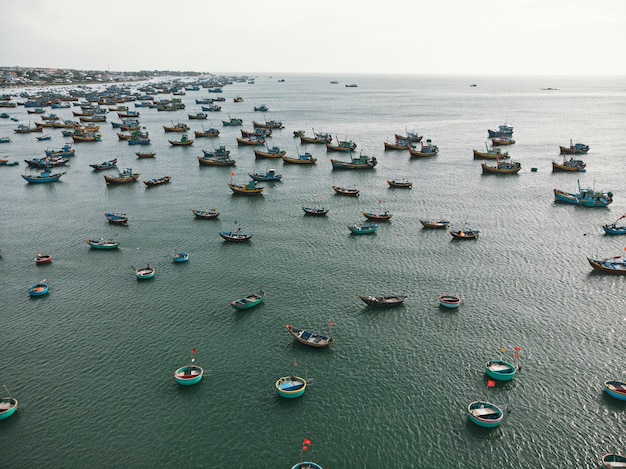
[
  {"x": 12, "y": 405},
  {"x": 186, "y": 376},
  {"x": 484, "y": 414},
  {"x": 38, "y": 289},
  {"x": 449, "y": 301},
  {"x": 615, "y": 389},
  {"x": 290, "y": 387},
  {"x": 500, "y": 370}
]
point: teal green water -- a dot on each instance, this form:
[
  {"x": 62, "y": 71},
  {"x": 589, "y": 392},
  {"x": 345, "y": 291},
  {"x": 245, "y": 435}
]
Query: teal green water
[{"x": 92, "y": 363}]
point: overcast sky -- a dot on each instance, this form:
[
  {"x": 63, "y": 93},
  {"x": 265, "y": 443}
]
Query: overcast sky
[{"x": 465, "y": 37}]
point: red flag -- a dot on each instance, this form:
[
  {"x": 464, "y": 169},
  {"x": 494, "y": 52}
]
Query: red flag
[
  {"x": 193, "y": 350},
  {"x": 306, "y": 442},
  {"x": 331, "y": 323},
  {"x": 491, "y": 384},
  {"x": 295, "y": 363}
]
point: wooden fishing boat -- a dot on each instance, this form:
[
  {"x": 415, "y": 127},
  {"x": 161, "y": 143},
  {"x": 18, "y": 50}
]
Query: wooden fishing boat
[
  {"x": 378, "y": 216},
  {"x": 102, "y": 243},
  {"x": 502, "y": 141},
  {"x": 257, "y": 132},
  {"x": 232, "y": 121},
  {"x": 249, "y": 301},
  {"x": 144, "y": 273},
  {"x": 109, "y": 164},
  {"x": 485, "y": 414},
  {"x": 124, "y": 176},
  {"x": 219, "y": 151},
  {"x": 44, "y": 138},
  {"x": 611, "y": 265},
  {"x": 434, "y": 223},
  {"x": 270, "y": 176},
  {"x": 400, "y": 144},
  {"x": 216, "y": 161},
  {"x": 342, "y": 146},
  {"x": 315, "y": 211},
  {"x": 198, "y": 116},
  {"x": 383, "y": 301},
  {"x": 614, "y": 228},
  {"x": 400, "y": 182},
  {"x": 206, "y": 214},
  {"x": 39, "y": 289},
  {"x": 235, "y": 236},
  {"x": 449, "y": 301},
  {"x": 273, "y": 152},
  {"x": 503, "y": 131},
  {"x": 8, "y": 406},
  {"x": 47, "y": 162},
  {"x": 467, "y": 233},
  {"x": 613, "y": 461},
  {"x": 348, "y": 191},
  {"x": 45, "y": 176},
  {"x": 502, "y": 167},
  {"x": 616, "y": 389},
  {"x": 318, "y": 137},
  {"x": 290, "y": 387},
  {"x": 147, "y": 154},
  {"x": 268, "y": 124},
  {"x": 298, "y": 133},
  {"x": 183, "y": 142},
  {"x": 250, "y": 188},
  {"x": 5, "y": 140},
  {"x": 25, "y": 129},
  {"x": 180, "y": 257},
  {"x": 303, "y": 158},
  {"x": 411, "y": 136},
  {"x": 157, "y": 181},
  {"x": 574, "y": 149},
  {"x": 115, "y": 218},
  {"x": 251, "y": 141},
  {"x": 585, "y": 197},
  {"x": 500, "y": 370},
  {"x": 237, "y": 99},
  {"x": 490, "y": 154},
  {"x": 360, "y": 162},
  {"x": 425, "y": 150},
  {"x": 207, "y": 133},
  {"x": 189, "y": 374},
  {"x": 178, "y": 127},
  {"x": 86, "y": 137},
  {"x": 5, "y": 162},
  {"x": 261, "y": 108},
  {"x": 42, "y": 259},
  {"x": 568, "y": 165},
  {"x": 309, "y": 338},
  {"x": 362, "y": 229}
]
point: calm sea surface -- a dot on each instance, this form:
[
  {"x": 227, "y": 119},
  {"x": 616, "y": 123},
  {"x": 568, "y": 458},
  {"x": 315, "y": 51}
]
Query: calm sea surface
[{"x": 92, "y": 362}]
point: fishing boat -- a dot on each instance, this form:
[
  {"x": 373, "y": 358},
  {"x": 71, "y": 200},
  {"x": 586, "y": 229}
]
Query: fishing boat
[
  {"x": 38, "y": 289},
  {"x": 467, "y": 233},
  {"x": 485, "y": 414},
  {"x": 342, "y": 146},
  {"x": 249, "y": 301},
  {"x": 568, "y": 165},
  {"x": 449, "y": 301},
  {"x": 399, "y": 144},
  {"x": 616, "y": 389},
  {"x": 189, "y": 374},
  {"x": 614, "y": 228},
  {"x": 383, "y": 301},
  {"x": 232, "y": 121},
  {"x": 585, "y": 197},
  {"x": 318, "y": 137},
  {"x": 290, "y": 387},
  {"x": 613, "y": 265},
  {"x": 42, "y": 259},
  {"x": 250, "y": 188},
  {"x": 178, "y": 127},
  {"x": 5, "y": 140},
  {"x": 425, "y": 150},
  {"x": 574, "y": 149},
  {"x": 270, "y": 176},
  {"x": 298, "y": 133},
  {"x": 109, "y": 164},
  {"x": 309, "y": 338},
  {"x": 303, "y": 158},
  {"x": 216, "y": 161},
  {"x": 400, "y": 182},
  {"x": 315, "y": 211},
  {"x": 348, "y": 191},
  {"x": 441, "y": 223},
  {"x": 219, "y": 151},
  {"x": 146, "y": 154},
  {"x": 157, "y": 181},
  {"x": 206, "y": 133},
  {"x": 44, "y": 138},
  {"x": 102, "y": 243},
  {"x": 273, "y": 152},
  {"x": 256, "y": 132},
  {"x": 47, "y": 162},
  {"x": 79, "y": 137},
  {"x": 124, "y": 176},
  {"x": 503, "y": 131},
  {"x": 237, "y": 99},
  {"x": 206, "y": 214},
  {"x": 378, "y": 216},
  {"x": 5, "y": 162},
  {"x": 261, "y": 108},
  {"x": 362, "y": 229},
  {"x": 183, "y": 142},
  {"x": 115, "y": 218},
  {"x": 235, "y": 236},
  {"x": 490, "y": 154},
  {"x": 500, "y": 370},
  {"x": 198, "y": 116},
  {"x": 272, "y": 124},
  {"x": 45, "y": 176},
  {"x": 613, "y": 461},
  {"x": 144, "y": 273},
  {"x": 360, "y": 162},
  {"x": 180, "y": 256},
  {"x": 8, "y": 405},
  {"x": 251, "y": 141},
  {"x": 25, "y": 129},
  {"x": 412, "y": 136},
  {"x": 502, "y": 141},
  {"x": 502, "y": 167}
]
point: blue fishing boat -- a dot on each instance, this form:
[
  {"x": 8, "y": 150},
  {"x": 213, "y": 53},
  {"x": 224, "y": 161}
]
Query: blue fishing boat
[
  {"x": 585, "y": 197},
  {"x": 270, "y": 176},
  {"x": 614, "y": 228},
  {"x": 361, "y": 229},
  {"x": 290, "y": 387},
  {"x": 485, "y": 414},
  {"x": 180, "y": 256},
  {"x": 8, "y": 405},
  {"x": 66, "y": 150},
  {"x": 249, "y": 301},
  {"x": 38, "y": 289},
  {"x": 45, "y": 137},
  {"x": 189, "y": 374},
  {"x": 45, "y": 176},
  {"x": 5, "y": 140},
  {"x": 616, "y": 389},
  {"x": 500, "y": 370},
  {"x": 115, "y": 218}
]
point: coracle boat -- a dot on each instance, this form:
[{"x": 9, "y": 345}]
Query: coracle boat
[
  {"x": 348, "y": 191},
  {"x": 342, "y": 146},
  {"x": 569, "y": 165},
  {"x": 189, "y": 374},
  {"x": 449, "y": 301},
  {"x": 611, "y": 265},
  {"x": 360, "y": 162},
  {"x": 502, "y": 167},
  {"x": 434, "y": 223},
  {"x": 290, "y": 386},
  {"x": 42, "y": 259},
  {"x": 400, "y": 182},
  {"x": 8, "y": 406},
  {"x": 574, "y": 149},
  {"x": 147, "y": 154},
  {"x": 183, "y": 142},
  {"x": 235, "y": 236},
  {"x": 115, "y": 218},
  {"x": 467, "y": 233},
  {"x": 428, "y": 149},
  {"x": 502, "y": 141},
  {"x": 585, "y": 197},
  {"x": 102, "y": 243},
  {"x": 307, "y": 464},
  {"x": 123, "y": 177},
  {"x": 362, "y": 229},
  {"x": 303, "y": 158},
  {"x": 157, "y": 181},
  {"x": 485, "y": 414},
  {"x": 614, "y": 228},
  {"x": 616, "y": 389},
  {"x": 383, "y": 301},
  {"x": 613, "y": 461},
  {"x": 180, "y": 257},
  {"x": 274, "y": 152},
  {"x": 269, "y": 176},
  {"x": 38, "y": 289},
  {"x": 500, "y": 370},
  {"x": 144, "y": 273},
  {"x": 309, "y": 338},
  {"x": 249, "y": 301},
  {"x": 45, "y": 176},
  {"x": 383, "y": 215},
  {"x": 250, "y": 188},
  {"x": 206, "y": 214},
  {"x": 490, "y": 154},
  {"x": 109, "y": 164}
]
